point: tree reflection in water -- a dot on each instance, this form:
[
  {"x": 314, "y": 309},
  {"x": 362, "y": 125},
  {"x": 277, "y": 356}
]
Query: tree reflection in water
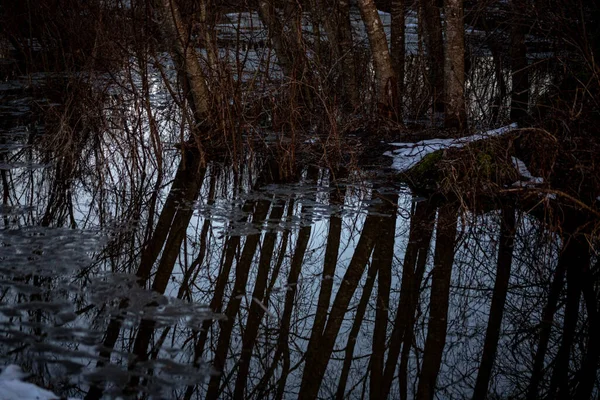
[{"x": 216, "y": 282}]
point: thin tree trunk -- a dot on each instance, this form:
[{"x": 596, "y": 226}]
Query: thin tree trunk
[
  {"x": 559, "y": 383},
  {"x": 413, "y": 299},
  {"x": 259, "y": 301},
  {"x": 519, "y": 101},
  {"x": 589, "y": 367},
  {"x": 287, "y": 46},
  {"x": 413, "y": 266},
  {"x": 556, "y": 287},
  {"x": 440, "y": 293},
  {"x": 239, "y": 289},
  {"x": 317, "y": 357},
  {"x": 187, "y": 60},
  {"x": 385, "y": 78},
  {"x": 290, "y": 297},
  {"x": 355, "y": 330},
  {"x": 383, "y": 257},
  {"x": 339, "y": 32},
  {"x": 454, "y": 66},
  {"x": 503, "y": 267},
  {"x": 435, "y": 49},
  {"x": 398, "y": 50},
  {"x": 327, "y": 278},
  {"x": 499, "y": 98}
]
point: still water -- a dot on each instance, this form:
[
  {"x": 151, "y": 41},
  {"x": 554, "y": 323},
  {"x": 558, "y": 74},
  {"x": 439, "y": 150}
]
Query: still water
[{"x": 130, "y": 271}]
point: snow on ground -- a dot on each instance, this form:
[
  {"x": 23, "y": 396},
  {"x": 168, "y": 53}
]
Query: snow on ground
[
  {"x": 12, "y": 386},
  {"x": 528, "y": 179},
  {"x": 408, "y": 154}
]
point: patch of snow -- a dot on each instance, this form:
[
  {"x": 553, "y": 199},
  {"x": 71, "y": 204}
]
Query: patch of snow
[
  {"x": 529, "y": 180},
  {"x": 409, "y": 154},
  {"x": 12, "y": 386}
]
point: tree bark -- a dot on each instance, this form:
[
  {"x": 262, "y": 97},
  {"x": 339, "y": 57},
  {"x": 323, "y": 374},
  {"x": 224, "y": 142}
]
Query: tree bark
[
  {"x": 317, "y": 357},
  {"x": 519, "y": 101},
  {"x": 239, "y": 289},
  {"x": 413, "y": 267},
  {"x": 440, "y": 293},
  {"x": 355, "y": 330},
  {"x": 383, "y": 257},
  {"x": 454, "y": 66},
  {"x": 559, "y": 383},
  {"x": 385, "y": 79},
  {"x": 503, "y": 267},
  {"x": 564, "y": 259},
  {"x": 398, "y": 49},
  {"x": 434, "y": 42},
  {"x": 186, "y": 58},
  {"x": 259, "y": 298},
  {"x": 339, "y": 33}
]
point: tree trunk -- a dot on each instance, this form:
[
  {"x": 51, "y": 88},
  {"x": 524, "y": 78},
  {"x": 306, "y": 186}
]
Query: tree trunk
[
  {"x": 355, "y": 330},
  {"x": 239, "y": 289},
  {"x": 559, "y": 383},
  {"x": 454, "y": 66},
  {"x": 383, "y": 257},
  {"x": 567, "y": 254},
  {"x": 339, "y": 33},
  {"x": 519, "y": 100},
  {"x": 186, "y": 58},
  {"x": 589, "y": 366},
  {"x": 413, "y": 266},
  {"x": 385, "y": 79},
  {"x": 434, "y": 42},
  {"x": 505, "y": 255},
  {"x": 398, "y": 50},
  {"x": 440, "y": 293},
  {"x": 317, "y": 357},
  {"x": 259, "y": 299}
]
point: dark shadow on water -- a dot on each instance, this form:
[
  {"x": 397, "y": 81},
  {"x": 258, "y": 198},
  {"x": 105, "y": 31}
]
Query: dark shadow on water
[{"x": 235, "y": 283}]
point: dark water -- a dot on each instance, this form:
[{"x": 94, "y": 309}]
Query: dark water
[{"x": 125, "y": 275}]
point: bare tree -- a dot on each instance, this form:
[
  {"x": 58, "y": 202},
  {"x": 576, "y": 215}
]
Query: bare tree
[
  {"x": 440, "y": 292},
  {"x": 434, "y": 41},
  {"x": 454, "y": 65},
  {"x": 520, "y": 72},
  {"x": 413, "y": 267},
  {"x": 505, "y": 255},
  {"x": 398, "y": 48},
  {"x": 317, "y": 357},
  {"x": 339, "y": 34},
  {"x": 385, "y": 78},
  {"x": 383, "y": 257}
]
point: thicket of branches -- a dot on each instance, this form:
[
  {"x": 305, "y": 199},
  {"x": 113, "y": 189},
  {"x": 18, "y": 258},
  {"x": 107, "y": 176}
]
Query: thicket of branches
[{"x": 306, "y": 65}]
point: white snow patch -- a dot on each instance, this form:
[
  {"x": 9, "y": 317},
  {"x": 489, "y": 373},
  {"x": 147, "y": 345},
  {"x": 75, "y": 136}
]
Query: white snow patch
[
  {"x": 12, "y": 386},
  {"x": 529, "y": 180},
  {"x": 409, "y": 154}
]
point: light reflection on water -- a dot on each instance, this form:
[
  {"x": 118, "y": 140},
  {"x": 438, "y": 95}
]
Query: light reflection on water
[{"x": 225, "y": 283}]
